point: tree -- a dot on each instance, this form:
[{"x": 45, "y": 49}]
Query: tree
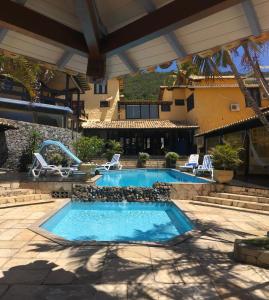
[
  {"x": 24, "y": 71},
  {"x": 209, "y": 67},
  {"x": 250, "y": 59}
]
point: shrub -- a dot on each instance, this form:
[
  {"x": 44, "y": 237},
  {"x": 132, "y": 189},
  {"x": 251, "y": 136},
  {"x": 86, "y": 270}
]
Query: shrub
[
  {"x": 25, "y": 160},
  {"x": 88, "y": 148},
  {"x": 226, "y": 156},
  {"x": 112, "y": 147},
  {"x": 27, "y": 156},
  {"x": 56, "y": 159},
  {"x": 142, "y": 159},
  {"x": 171, "y": 159}
]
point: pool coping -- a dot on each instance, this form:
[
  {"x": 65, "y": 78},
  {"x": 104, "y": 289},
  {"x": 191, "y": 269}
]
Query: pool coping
[
  {"x": 207, "y": 180},
  {"x": 194, "y": 233}
]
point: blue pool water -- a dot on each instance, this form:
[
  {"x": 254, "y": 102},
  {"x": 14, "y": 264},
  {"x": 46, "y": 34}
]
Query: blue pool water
[
  {"x": 145, "y": 177},
  {"x": 117, "y": 221}
]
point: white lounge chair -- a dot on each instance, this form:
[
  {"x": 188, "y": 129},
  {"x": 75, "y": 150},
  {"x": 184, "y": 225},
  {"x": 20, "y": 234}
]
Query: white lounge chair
[
  {"x": 40, "y": 166},
  {"x": 115, "y": 162},
  {"x": 206, "y": 167},
  {"x": 192, "y": 163}
]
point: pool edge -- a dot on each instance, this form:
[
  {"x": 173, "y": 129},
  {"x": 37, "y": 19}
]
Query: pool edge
[{"x": 194, "y": 233}]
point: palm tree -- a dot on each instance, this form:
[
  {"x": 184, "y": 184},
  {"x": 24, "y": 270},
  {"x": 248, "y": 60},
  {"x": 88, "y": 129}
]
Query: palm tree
[
  {"x": 24, "y": 71},
  {"x": 209, "y": 67},
  {"x": 252, "y": 51},
  {"x": 252, "y": 102}
]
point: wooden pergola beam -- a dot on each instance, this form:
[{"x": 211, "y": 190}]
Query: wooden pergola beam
[
  {"x": 21, "y": 19},
  {"x": 170, "y": 17},
  {"x": 86, "y": 12}
]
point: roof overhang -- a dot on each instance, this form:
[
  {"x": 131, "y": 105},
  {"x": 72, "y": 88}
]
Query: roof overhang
[
  {"x": 243, "y": 124},
  {"x": 113, "y": 38},
  {"x": 34, "y": 106},
  {"x": 138, "y": 124}
]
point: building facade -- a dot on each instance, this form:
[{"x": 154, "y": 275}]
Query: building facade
[{"x": 170, "y": 122}]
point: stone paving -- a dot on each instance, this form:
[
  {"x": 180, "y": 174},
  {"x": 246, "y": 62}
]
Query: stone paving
[{"x": 33, "y": 267}]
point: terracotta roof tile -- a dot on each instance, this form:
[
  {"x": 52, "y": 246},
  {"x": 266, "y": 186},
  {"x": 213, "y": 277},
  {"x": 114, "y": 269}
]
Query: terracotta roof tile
[{"x": 138, "y": 124}]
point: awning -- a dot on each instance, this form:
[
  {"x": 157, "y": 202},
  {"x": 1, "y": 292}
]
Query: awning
[{"x": 125, "y": 36}]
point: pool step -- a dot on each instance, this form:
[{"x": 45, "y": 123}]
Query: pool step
[
  {"x": 24, "y": 198},
  {"x": 233, "y": 202},
  {"x": 248, "y": 198}
]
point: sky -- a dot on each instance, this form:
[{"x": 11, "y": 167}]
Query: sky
[{"x": 264, "y": 61}]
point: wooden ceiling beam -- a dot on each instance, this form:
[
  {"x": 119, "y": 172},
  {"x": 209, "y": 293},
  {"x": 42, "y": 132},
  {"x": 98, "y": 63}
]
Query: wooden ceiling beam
[
  {"x": 21, "y": 19},
  {"x": 169, "y": 17},
  {"x": 86, "y": 12}
]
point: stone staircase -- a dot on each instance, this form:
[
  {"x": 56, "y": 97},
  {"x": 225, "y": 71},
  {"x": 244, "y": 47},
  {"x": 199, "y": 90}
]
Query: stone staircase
[
  {"x": 250, "y": 202},
  {"x": 12, "y": 195}
]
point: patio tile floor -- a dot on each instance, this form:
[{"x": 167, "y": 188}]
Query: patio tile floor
[{"x": 33, "y": 267}]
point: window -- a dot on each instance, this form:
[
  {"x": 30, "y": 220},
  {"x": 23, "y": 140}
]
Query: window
[
  {"x": 154, "y": 111},
  {"x": 190, "y": 102},
  {"x": 165, "y": 107},
  {"x": 133, "y": 112},
  {"x": 100, "y": 88},
  {"x": 104, "y": 103},
  {"x": 179, "y": 102},
  {"x": 142, "y": 111},
  {"x": 255, "y": 93}
]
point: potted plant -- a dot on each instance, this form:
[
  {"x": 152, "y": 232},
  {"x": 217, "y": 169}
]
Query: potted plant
[
  {"x": 225, "y": 160},
  {"x": 142, "y": 159},
  {"x": 171, "y": 159}
]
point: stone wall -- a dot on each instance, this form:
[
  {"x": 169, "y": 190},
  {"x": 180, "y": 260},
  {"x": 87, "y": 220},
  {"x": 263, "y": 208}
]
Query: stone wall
[
  {"x": 159, "y": 192},
  {"x": 17, "y": 140},
  {"x": 188, "y": 191},
  {"x": 3, "y": 148}
]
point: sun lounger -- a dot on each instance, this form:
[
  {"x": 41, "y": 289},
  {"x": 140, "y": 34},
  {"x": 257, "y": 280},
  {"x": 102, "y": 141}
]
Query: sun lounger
[
  {"x": 206, "y": 167},
  {"x": 114, "y": 163},
  {"x": 191, "y": 164}
]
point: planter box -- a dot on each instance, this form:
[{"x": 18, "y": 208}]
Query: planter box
[
  {"x": 223, "y": 176},
  {"x": 250, "y": 254}
]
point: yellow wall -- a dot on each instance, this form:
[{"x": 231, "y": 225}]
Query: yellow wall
[
  {"x": 92, "y": 103},
  {"x": 176, "y": 112},
  {"x": 212, "y": 105}
]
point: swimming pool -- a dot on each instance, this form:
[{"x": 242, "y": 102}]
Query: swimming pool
[
  {"x": 145, "y": 177},
  {"x": 118, "y": 221}
]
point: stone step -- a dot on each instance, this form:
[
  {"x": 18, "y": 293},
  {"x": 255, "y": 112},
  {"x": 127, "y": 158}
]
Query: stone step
[
  {"x": 247, "y": 191},
  {"x": 232, "y": 202},
  {"x": 247, "y": 210},
  {"x": 248, "y": 198},
  {"x": 15, "y": 192},
  {"x": 23, "y": 198},
  {"x": 9, "y": 185},
  {"x": 25, "y": 203}
]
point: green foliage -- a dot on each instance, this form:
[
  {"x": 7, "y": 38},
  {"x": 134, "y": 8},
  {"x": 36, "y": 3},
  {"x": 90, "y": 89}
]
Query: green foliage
[
  {"x": 25, "y": 71},
  {"x": 145, "y": 85},
  {"x": 171, "y": 159},
  {"x": 143, "y": 157},
  {"x": 226, "y": 156},
  {"x": 28, "y": 153},
  {"x": 25, "y": 160},
  {"x": 88, "y": 148},
  {"x": 262, "y": 242},
  {"x": 112, "y": 147},
  {"x": 34, "y": 141},
  {"x": 56, "y": 159}
]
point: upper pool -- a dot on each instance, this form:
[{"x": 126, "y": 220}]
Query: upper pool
[{"x": 145, "y": 177}]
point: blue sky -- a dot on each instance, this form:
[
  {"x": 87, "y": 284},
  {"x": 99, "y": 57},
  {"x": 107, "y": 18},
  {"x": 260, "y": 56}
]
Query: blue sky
[{"x": 264, "y": 61}]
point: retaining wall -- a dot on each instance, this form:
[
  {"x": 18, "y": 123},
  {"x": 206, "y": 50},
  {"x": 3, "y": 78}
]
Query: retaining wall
[{"x": 17, "y": 140}]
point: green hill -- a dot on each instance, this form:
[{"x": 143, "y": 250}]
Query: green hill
[{"x": 145, "y": 85}]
